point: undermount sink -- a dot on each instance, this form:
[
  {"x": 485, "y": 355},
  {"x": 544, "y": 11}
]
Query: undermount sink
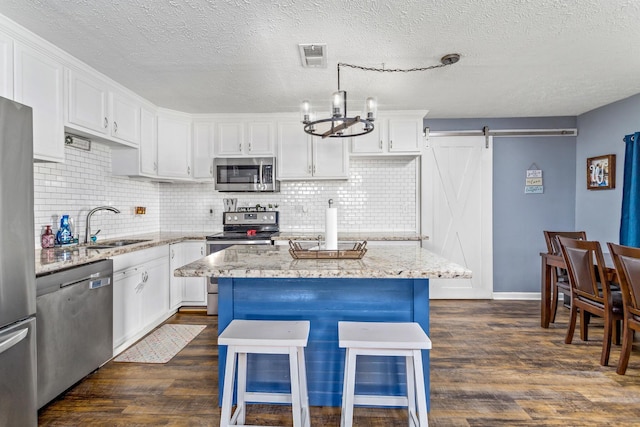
[{"x": 116, "y": 243}]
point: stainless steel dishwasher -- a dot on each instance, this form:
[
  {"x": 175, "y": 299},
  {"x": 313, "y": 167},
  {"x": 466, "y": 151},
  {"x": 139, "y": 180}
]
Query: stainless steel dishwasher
[{"x": 74, "y": 314}]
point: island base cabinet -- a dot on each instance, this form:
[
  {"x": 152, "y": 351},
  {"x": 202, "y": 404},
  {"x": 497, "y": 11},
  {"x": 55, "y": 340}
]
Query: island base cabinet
[
  {"x": 191, "y": 291},
  {"x": 325, "y": 302},
  {"x": 140, "y": 294}
]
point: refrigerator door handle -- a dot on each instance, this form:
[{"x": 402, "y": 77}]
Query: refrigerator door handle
[{"x": 14, "y": 338}]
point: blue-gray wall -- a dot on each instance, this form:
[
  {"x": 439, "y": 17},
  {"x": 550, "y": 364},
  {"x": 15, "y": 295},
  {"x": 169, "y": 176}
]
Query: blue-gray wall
[
  {"x": 601, "y": 131},
  {"x": 519, "y": 219}
]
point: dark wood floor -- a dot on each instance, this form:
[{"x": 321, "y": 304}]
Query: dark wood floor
[{"x": 491, "y": 365}]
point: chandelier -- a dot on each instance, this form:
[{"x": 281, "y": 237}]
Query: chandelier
[{"x": 338, "y": 122}]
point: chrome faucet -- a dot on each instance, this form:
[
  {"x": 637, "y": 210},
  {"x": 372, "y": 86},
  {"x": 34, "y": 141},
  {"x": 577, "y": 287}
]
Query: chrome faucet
[{"x": 87, "y": 231}]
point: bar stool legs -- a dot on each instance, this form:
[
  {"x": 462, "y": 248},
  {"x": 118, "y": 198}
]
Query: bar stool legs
[
  {"x": 385, "y": 339},
  {"x": 264, "y": 337}
]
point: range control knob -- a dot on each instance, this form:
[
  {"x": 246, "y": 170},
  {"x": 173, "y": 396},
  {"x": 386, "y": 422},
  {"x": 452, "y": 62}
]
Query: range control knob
[
  {"x": 229, "y": 218},
  {"x": 235, "y": 217},
  {"x": 264, "y": 217},
  {"x": 271, "y": 217}
]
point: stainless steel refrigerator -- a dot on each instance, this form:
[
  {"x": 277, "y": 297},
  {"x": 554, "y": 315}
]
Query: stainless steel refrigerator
[{"x": 18, "y": 406}]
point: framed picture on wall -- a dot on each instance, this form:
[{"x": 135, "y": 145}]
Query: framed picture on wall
[{"x": 601, "y": 172}]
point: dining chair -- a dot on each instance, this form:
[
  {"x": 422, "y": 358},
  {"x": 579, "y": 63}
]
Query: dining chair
[
  {"x": 627, "y": 262},
  {"x": 559, "y": 276},
  {"x": 590, "y": 291}
]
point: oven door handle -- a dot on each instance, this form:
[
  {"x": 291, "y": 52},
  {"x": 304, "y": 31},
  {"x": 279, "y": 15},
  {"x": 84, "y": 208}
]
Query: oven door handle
[{"x": 239, "y": 242}]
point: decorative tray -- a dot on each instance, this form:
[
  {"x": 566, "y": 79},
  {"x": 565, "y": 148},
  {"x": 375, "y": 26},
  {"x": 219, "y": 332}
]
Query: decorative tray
[{"x": 298, "y": 252}]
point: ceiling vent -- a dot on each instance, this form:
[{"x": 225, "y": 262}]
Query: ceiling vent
[{"x": 313, "y": 55}]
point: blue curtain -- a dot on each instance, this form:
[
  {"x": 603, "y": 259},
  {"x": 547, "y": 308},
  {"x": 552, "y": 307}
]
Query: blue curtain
[{"x": 630, "y": 221}]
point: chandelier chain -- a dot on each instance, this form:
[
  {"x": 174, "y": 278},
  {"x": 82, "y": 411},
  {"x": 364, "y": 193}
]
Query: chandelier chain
[{"x": 392, "y": 70}]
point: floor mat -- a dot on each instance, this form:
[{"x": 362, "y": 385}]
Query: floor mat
[{"x": 161, "y": 345}]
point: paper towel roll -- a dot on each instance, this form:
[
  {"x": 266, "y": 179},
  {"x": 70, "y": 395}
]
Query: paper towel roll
[{"x": 331, "y": 229}]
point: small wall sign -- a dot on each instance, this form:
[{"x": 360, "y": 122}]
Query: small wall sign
[
  {"x": 601, "y": 172},
  {"x": 533, "y": 181}
]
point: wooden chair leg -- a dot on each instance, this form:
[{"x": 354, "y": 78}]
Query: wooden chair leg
[
  {"x": 606, "y": 339},
  {"x": 572, "y": 324},
  {"x": 625, "y": 351},
  {"x": 585, "y": 318},
  {"x": 554, "y": 302}
]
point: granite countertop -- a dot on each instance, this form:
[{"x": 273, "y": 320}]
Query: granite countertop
[
  {"x": 276, "y": 261},
  {"x": 354, "y": 237},
  {"x": 59, "y": 258}
]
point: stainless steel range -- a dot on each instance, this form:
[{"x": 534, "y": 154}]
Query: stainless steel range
[{"x": 246, "y": 226}]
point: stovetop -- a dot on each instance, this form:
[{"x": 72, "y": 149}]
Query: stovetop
[{"x": 248, "y": 225}]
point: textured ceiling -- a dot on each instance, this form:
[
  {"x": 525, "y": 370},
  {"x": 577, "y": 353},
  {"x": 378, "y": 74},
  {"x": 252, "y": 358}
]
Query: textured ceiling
[{"x": 519, "y": 57}]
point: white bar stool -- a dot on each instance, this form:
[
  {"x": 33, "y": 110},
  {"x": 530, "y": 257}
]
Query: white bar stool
[
  {"x": 385, "y": 339},
  {"x": 264, "y": 337}
]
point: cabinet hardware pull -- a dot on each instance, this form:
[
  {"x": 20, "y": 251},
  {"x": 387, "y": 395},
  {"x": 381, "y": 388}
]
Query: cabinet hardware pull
[
  {"x": 249, "y": 146},
  {"x": 390, "y": 144},
  {"x": 211, "y": 170},
  {"x": 240, "y": 146},
  {"x": 189, "y": 170},
  {"x": 106, "y": 123},
  {"x": 381, "y": 144},
  {"x": 314, "y": 169},
  {"x": 309, "y": 168},
  {"x": 155, "y": 166},
  {"x": 115, "y": 127}
]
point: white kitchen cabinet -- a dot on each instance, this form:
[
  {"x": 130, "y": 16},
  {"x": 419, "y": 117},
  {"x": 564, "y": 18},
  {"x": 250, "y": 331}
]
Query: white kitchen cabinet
[
  {"x": 141, "y": 161},
  {"x": 174, "y": 145},
  {"x": 190, "y": 291},
  {"x": 95, "y": 108},
  {"x": 301, "y": 156},
  {"x": 397, "y": 133},
  {"x": 6, "y": 66},
  {"x": 203, "y": 150},
  {"x": 125, "y": 118},
  {"x": 140, "y": 294},
  {"x": 38, "y": 83},
  {"x": 244, "y": 138}
]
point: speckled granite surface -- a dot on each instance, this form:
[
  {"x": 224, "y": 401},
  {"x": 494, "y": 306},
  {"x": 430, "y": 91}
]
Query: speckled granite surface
[
  {"x": 54, "y": 259},
  {"x": 276, "y": 261},
  {"x": 354, "y": 237}
]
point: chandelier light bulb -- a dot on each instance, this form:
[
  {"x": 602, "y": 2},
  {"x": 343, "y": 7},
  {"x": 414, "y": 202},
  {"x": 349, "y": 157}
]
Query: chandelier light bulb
[
  {"x": 338, "y": 102},
  {"x": 371, "y": 108},
  {"x": 305, "y": 111}
]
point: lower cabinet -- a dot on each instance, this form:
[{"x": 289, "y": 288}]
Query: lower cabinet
[
  {"x": 140, "y": 294},
  {"x": 187, "y": 290}
]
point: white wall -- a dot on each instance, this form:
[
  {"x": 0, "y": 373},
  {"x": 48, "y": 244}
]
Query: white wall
[{"x": 380, "y": 195}]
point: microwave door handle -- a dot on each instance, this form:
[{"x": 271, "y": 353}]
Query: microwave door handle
[{"x": 261, "y": 186}]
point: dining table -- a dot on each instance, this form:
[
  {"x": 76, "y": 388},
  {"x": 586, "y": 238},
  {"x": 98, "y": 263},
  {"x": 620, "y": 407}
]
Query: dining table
[{"x": 551, "y": 261}]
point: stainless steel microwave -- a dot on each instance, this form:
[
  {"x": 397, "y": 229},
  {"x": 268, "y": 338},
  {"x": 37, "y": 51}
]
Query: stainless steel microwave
[{"x": 256, "y": 174}]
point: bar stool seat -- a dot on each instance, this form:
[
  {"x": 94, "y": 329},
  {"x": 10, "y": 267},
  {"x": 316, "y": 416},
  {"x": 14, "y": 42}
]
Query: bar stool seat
[
  {"x": 385, "y": 339},
  {"x": 264, "y": 337}
]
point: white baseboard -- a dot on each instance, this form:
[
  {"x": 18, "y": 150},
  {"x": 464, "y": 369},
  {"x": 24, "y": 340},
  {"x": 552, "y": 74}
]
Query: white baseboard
[{"x": 517, "y": 296}]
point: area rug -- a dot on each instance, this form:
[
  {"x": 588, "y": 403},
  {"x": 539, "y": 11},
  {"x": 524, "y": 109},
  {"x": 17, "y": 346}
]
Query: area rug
[{"x": 161, "y": 345}]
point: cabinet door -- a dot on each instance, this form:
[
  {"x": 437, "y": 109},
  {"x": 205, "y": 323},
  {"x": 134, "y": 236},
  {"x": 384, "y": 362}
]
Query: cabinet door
[
  {"x": 330, "y": 158},
  {"x": 125, "y": 118},
  {"x": 229, "y": 138},
  {"x": 195, "y": 288},
  {"x": 176, "y": 283},
  {"x": 87, "y": 102},
  {"x": 260, "y": 139},
  {"x": 38, "y": 83},
  {"x": 127, "y": 319},
  {"x": 404, "y": 135},
  {"x": 155, "y": 290},
  {"x": 371, "y": 143},
  {"x": 148, "y": 143},
  {"x": 174, "y": 147},
  {"x": 203, "y": 150},
  {"x": 294, "y": 151},
  {"x": 6, "y": 66}
]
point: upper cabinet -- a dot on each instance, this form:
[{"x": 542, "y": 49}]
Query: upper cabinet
[
  {"x": 244, "y": 138},
  {"x": 143, "y": 161},
  {"x": 302, "y": 157},
  {"x": 203, "y": 149},
  {"x": 6, "y": 66},
  {"x": 395, "y": 133},
  {"x": 94, "y": 108},
  {"x": 38, "y": 83},
  {"x": 174, "y": 145}
]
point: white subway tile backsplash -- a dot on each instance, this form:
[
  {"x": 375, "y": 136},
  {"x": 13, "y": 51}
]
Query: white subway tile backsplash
[{"x": 381, "y": 195}]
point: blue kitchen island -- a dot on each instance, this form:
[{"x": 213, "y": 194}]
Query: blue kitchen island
[{"x": 390, "y": 283}]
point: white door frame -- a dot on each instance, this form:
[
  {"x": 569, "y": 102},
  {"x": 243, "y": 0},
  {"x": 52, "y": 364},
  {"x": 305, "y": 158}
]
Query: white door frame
[{"x": 479, "y": 287}]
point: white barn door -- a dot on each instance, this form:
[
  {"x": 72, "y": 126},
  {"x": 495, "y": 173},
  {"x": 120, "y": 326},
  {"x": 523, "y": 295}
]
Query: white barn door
[{"x": 457, "y": 211}]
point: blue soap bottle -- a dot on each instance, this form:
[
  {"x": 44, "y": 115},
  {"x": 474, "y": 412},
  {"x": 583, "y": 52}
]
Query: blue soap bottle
[{"x": 63, "y": 236}]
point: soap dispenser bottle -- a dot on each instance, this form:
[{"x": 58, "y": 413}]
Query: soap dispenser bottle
[{"x": 63, "y": 237}]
